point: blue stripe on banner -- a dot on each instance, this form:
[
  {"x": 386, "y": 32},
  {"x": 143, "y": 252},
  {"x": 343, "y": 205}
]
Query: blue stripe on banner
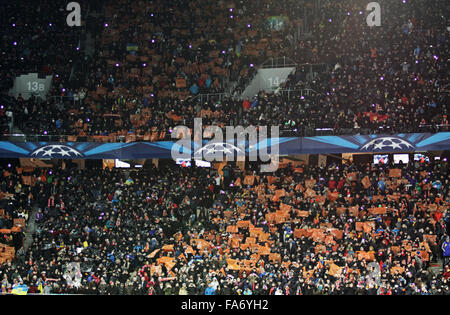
[
  {"x": 268, "y": 142},
  {"x": 79, "y": 146},
  {"x": 31, "y": 145},
  {"x": 160, "y": 144},
  {"x": 360, "y": 139},
  {"x": 412, "y": 138},
  {"x": 337, "y": 141},
  {"x": 442, "y": 136},
  {"x": 176, "y": 147},
  {"x": 168, "y": 145},
  {"x": 107, "y": 147},
  {"x": 8, "y": 146}
]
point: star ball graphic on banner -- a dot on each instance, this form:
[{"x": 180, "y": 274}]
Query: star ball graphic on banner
[
  {"x": 386, "y": 142},
  {"x": 218, "y": 147},
  {"x": 56, "y": 150}
]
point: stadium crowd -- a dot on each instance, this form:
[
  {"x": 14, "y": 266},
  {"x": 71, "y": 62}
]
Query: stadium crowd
[
  {"x": 152, "y": 59},
  {"x": 36, "y": 38},
  {"x": 341, "y": 229}
]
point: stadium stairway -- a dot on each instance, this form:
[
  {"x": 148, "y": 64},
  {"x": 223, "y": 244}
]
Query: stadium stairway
[
  {"x": 89, "y": 45},
  {"x": 30, "y": 230}
]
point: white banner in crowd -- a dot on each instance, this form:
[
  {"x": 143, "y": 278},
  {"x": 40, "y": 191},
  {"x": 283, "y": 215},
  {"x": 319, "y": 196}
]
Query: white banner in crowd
[{"x": 73, "y": 274}]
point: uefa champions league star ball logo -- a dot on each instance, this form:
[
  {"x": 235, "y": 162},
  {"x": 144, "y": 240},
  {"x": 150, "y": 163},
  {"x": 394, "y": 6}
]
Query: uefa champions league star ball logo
[
  {"x": 56, "y": 151},
  {"x": 211, "y": 148},
  {"x": 387, "y": 143}
]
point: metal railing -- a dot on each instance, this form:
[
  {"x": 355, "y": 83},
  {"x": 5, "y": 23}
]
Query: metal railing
[
  {"x": 56, "y": 138},
  {"x": 63, "y": 99},
  {"x": 314, "y": 131},
  {"x": 281, "y": 62},
  {"x": 297, "y": 92},
  {"x": 306, "y": 131},
  {"x": 312, "y": 70},
  {"x": 213, "y": 97}
]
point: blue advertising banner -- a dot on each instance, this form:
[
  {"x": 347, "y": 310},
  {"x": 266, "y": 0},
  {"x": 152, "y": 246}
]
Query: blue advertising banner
[
  {"x": 377, "y": 143},
  {"x": 286, "y": 145}
]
